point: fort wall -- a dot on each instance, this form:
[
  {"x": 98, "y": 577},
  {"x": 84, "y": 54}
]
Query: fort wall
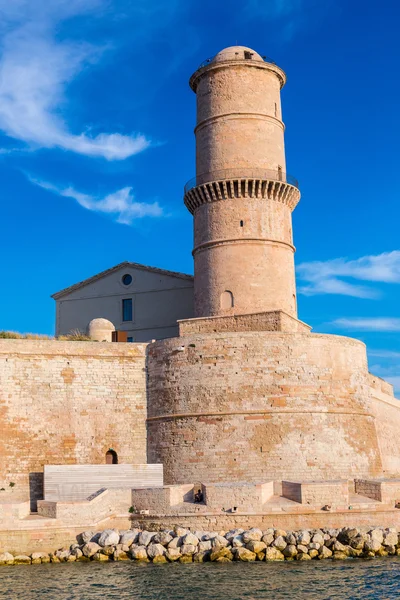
[
  {"x": 67, "y": 403},
  {"x": 259, "y": 406}
]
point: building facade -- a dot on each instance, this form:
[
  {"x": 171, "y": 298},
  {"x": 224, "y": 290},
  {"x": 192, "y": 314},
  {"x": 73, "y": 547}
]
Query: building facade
[{"x": 145, "y": 302}]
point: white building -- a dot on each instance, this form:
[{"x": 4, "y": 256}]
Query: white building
[{"x": 146, "y": 302}]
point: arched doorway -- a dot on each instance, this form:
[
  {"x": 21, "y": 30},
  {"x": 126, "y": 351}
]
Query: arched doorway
[{"x": 111, "y": 457}]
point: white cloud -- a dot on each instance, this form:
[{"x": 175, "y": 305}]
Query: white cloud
[
  {"x": 121, "y": 204},
  {"x": 35, "y": 69},
  {"x": 327, "y": 277},
  {"x": 390, "y": 354},
  {"x": 368, "y": 324}
]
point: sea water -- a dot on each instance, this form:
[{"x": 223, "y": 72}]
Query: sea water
[{"x": 337, "y": 580}]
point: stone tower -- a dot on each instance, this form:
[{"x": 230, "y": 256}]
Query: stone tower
[{"x": 241, "y": 198}]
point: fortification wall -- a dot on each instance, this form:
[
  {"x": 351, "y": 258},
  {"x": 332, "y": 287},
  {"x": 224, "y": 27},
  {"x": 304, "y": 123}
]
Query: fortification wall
[
  {"x": 67, "y": 403},
  {"x": 259, "y": 406},
  {"x": 386, "y": 410}
]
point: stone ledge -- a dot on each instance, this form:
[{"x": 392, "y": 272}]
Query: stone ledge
[{"x": 275, "y": 320}]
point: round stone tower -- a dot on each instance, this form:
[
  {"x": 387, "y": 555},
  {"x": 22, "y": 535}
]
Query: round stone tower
[{"x": 241, "y": 198}]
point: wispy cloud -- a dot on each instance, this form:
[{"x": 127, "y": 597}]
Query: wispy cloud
[
  {"x": 328, "y": 277},
  {"x": 35, "y": 70},
  {"x": 390, "y": 354},
  {"x": 368, "y": 324},
  {"x": 121, "y": 204}
]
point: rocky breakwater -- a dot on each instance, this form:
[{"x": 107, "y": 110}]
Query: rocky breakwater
[{"x": 185, "y": 546}]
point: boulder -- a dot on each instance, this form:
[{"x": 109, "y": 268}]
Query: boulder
[
  {"x": 303, "y": 537},
  {"x": 372, "y": 545},
  {"x": 273, "y": 554},
  {"x": 71, "y": 558},
  {"x": 180, "y": 531},
  {"x": 55, "y": 559},
  {"x": 77, "y": 552},
  {"x": 160, "y": 558},
  {"x": 291, "y": 539},
  {"x": 221, "y": 553},
  {"x": 46, "y": 559},
  {"x": 339, "y": 556},
  {"x": 268, "y": 538},
  {"x": 280, "y": 543},
  {"x": 324, "y": 552},
  {"x": 192, "y": 540},
  {"x": 290, "y": 551},
  {"x": 109, "y": 537},
  {"x": 318, "y": 538},
  {"x": 279, "y": 533},
  {"x": 210, "y": 535},
  {"x": 302, "y": 549},
  {"x": 237, "y": 541},
  {"x": 200, "y": 557},
  {"x": 358, "y": 541},
  {"x": 257, "y": 547},
  {"x": 100, "y": 557},
  {"x": 339, "y": 547},
  {"x": 139, "y": 553},
  {"x": 163, "y": 537},
  {"x": 37, "y": 557},
  {"x": 252, "y": 534},
  {"x": 120, "y": 554},
  {"x": 6, "y": 558},
  {"x": 90, "y": 549},
  {"x": 63, "y": 555},
  {"x": 186, "y": 558},
  {"x": 313, "y": 553},
  {"x": 173, "y": 554},
  {"x": 108, "y": 550},
  {"x": 303, "y": 557},
  {"x": 376, "y": 536},
  {"x": 204, "y": 546},
  {"x": 244, "y": 555},
  {"x": 390, "y": 538},
  {"x": 176, "y": 542},
  {"x": 145, "y": 537},
  {"x": 188, "y": 549},
  {"x": 154, "y": 550},
  {"x": 86, "y": 536},
  {"x": 219, "y": 542},
  {"x": 22, "y": 559},
  {"x": 233, "y": 533},
  {"x": 129, "y": 537}
]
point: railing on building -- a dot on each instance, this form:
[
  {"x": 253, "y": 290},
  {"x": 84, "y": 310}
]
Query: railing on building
[
  {"x": 208, "y": 61},
  {"x": 237, "y": 173}
]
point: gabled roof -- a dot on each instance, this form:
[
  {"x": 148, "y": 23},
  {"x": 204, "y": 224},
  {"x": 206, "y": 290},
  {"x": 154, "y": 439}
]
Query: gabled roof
[{"x": 125, "y": 264}]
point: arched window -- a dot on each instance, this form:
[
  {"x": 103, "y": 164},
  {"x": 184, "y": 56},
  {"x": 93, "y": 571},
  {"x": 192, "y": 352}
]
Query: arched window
[
  {"x": 226, "y": 300},
  {"x": 111, "y": 457}
]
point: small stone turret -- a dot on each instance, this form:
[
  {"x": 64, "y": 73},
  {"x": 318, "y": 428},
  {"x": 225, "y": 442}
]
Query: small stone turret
[{"x": 241, "y": 197}]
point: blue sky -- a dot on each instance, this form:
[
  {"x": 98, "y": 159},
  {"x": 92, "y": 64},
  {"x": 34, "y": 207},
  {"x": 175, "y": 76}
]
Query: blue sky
[{"x": 96, "y": 143}]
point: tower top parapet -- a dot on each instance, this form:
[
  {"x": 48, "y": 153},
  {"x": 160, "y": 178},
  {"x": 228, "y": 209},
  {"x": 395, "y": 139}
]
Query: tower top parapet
[{"x": 241, "y": 55}]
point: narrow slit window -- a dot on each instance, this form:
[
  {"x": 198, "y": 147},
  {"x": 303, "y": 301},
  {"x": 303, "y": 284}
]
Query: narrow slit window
[
  {"x": 248, "y": 55},
  {"x": 127, "y": 311},
  {"x": 276, "y": 109},
  {"x": 241, "y": 223}
]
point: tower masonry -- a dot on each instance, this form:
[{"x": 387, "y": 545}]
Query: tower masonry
[{"x": 241, "y": 198}]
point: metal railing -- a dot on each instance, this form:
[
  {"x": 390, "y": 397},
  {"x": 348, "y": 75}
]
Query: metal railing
[
  {"x": 238, "y": 173},
  {"x": 208, "y": 61}
]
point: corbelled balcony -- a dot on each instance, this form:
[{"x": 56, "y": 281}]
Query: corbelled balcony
[{"x": 227, "y": 184}]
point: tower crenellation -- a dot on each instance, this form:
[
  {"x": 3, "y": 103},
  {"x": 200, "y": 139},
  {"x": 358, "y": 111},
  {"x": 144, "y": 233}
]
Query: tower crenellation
[{"x": 241, "y": 197}]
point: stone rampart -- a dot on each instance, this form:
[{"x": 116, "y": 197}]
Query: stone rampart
[
  {"x": 261, "y": 406},
  {"x": 267, "y": 321},
  {"x": 67, "y": 403}
]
